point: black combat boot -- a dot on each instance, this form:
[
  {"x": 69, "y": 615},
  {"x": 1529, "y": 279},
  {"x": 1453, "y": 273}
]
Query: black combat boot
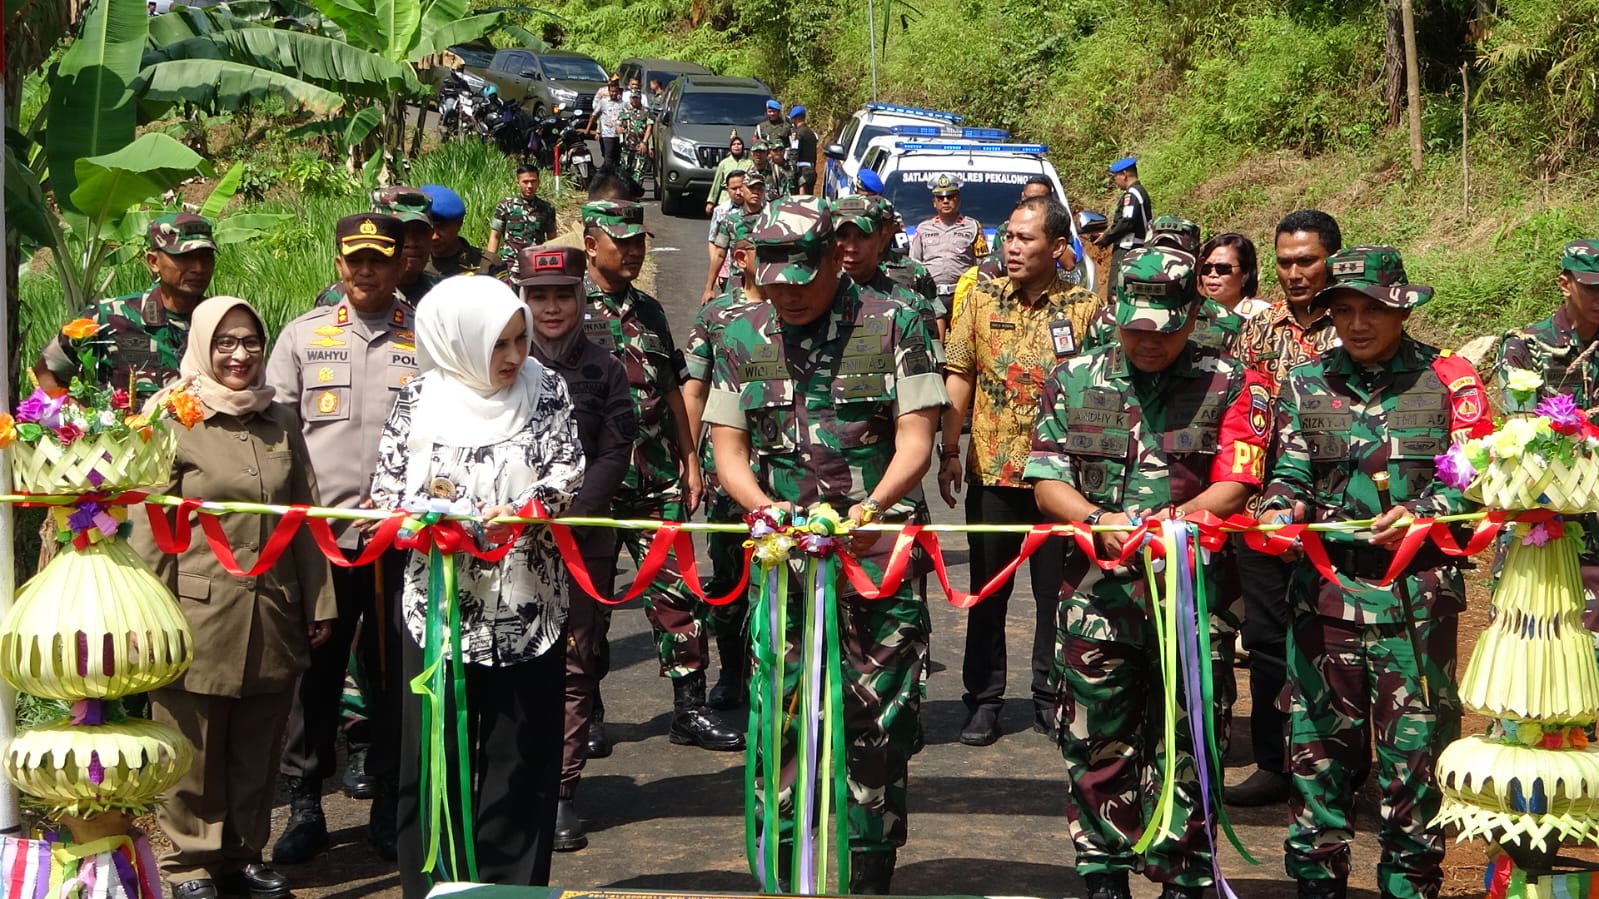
[
  {"x": 382, "y": 823},
  {"x": 569, "y": 836},
  {"x": 357, "y": 783},
  {"x": 1329, "y": 888},
  {"x": 871, "y": 872},
  {"x": 307, "y": 831},
  {"x": 599, "y": 742},
  {"x": 1174, "y": 891},
  {"x": 1107, "y": 886},
  {"x": 733, "y": 686},
  {"x": 695, "y": 723}
]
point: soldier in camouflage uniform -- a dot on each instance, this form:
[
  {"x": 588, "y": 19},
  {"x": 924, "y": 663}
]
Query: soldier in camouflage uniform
[
  {"x": 1561, "y": 349},
  {"x": 664, "y": 481},
  {"x": 452, "y": 253},
  {"x": 861, "y": 228},
  {"x": 414, "y": 210},
  {"x": 634, "y": 130},
  {"x": 521, "y": 221},
  {"x": 765, "y": 163},
  {"x": 749, "y": 193},
  {"x": 778, "y": 134},
  {"x": 1153, "y": 426},
  {"x": 142, "y": 336},
  {"x": 730, "y": 622},
  {"x": 902, "y": 269},
  {"x": 1382, "y": 403},
  {"x": 835, "y": 394}
]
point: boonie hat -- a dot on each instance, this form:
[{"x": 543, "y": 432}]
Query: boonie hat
[
  {"x": 180, "y": 232},
  {"x": 1174, "y": 232},
  {"x": 945, "y": 185},
  {"x": 619, "y": 218},
  {"x": 1581, "y": 261},
  {"x": 862, "y": 212},
  {"x": 1376, "y": 272},
  {"x": 447, "y": 204},
  {"x": 1156, "y": 291},
  {"x": 1123, "y": 164},
  {"x": 404, "y": 203},
  {"x": 790, "y": 240},
  {"x": 549, "y": 264},
  {"x": 369, "y": 231}
]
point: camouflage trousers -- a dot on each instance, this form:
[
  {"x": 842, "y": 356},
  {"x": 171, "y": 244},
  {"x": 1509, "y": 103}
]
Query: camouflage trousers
[
  {"x": 1112, "y": 740},
  {"x": 883, "y": 644},
  {"x": 676, "y": 617},
  {"x": 634, "y": 163},
  {"x": 726, "y": 554},
  {"x": 1351, "y": 687}
]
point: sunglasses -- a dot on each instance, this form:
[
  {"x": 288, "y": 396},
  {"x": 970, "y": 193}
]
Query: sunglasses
[{"x": 1218, "y": 268}]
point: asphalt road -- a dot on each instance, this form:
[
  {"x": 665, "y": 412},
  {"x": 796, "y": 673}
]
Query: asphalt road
[{"x": 983, "y": 821}]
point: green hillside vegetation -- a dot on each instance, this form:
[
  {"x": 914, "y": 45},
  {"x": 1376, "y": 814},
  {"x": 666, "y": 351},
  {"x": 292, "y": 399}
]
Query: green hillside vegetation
[{"x": 1240, "y": 110}]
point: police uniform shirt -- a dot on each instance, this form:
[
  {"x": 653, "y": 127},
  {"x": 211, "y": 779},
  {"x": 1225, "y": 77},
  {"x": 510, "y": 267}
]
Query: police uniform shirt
[
  {"x": 948, "y": 250},
  {"x": 342, "y": 369}
]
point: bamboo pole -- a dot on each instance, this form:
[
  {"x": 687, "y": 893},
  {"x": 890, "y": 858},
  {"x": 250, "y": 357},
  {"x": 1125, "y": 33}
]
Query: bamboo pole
[{"x": 1412, "y": 81}]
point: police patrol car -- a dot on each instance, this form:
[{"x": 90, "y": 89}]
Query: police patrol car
[
  {"x": 992, "y": 173},
  {"x": 872, "y": 121}
]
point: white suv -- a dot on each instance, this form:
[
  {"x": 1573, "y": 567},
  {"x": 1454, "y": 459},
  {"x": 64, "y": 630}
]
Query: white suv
[
  {"x": 992, "y": 175},
  {"x": 871, "y": 121}
]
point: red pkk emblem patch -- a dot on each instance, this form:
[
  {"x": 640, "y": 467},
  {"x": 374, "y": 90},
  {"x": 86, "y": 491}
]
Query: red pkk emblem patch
[
  {"x": 1467, "y": 403},
  {"x": 1259, "y": 410}
]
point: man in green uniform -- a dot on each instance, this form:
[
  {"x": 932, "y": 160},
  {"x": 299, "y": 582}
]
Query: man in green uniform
[
  {"x": 1357, "y": 432},
  {"x": 524, "y": 220},
  {"x": 749, "y": 192},
  {"x": 452, "y": 253},
  {"x": 664, "y": 481},
  {"x": 861, "y": 228},
  {"x": 633, "y": 128},
  {"x": 142, "y": 336},
  {"x": 414, "y": 210},
  {"x": 834, "y": 393},
  {"x": 1152, "y": 426},
  {"x": 1560, "y": 348}
]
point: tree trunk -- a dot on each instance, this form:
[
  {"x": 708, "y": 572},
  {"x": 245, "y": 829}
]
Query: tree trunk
[
  {"x": 1393, "y": 60},
  {"x": 1412, "y": 83}
]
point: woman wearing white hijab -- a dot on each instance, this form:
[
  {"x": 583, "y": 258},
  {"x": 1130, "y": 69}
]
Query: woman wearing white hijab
[
  {"x": 252, "y": 636},
  {"x": 486, "y": 429}
]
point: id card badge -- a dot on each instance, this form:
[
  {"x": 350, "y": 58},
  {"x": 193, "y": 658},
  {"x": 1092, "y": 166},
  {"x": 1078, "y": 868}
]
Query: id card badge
[{"x": 1060, "y": 331}]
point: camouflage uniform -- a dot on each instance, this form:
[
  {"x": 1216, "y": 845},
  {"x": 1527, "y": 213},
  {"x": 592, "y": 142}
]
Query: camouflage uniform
[
  {"x": 631, "y": 127},
  {"x": 1174, "y": 232},
  {"x": 632, "y": 325},
  {"x": 1352, "y": 672},
  {"x": 1215, "y": 328},
  {"x": 140, "y": 340},
  {"x": 521, "y": 223},
  {"x": 870, "y": 214},
  {"x": 820, "y": 403},
  {"x": 466, "y": 260},
  {"x": 1137, "y": 442}
]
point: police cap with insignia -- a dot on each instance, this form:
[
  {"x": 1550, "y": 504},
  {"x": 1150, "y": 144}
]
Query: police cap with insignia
[
  {"x": 1156, "y": 292},
  {"x": 369, "y": 231},
  {"x": 945, "y": 185},
  {"x": 180, "y": 232},
  {"x": 549, "y": 264},
  {"x": 1376, "y": 272}
]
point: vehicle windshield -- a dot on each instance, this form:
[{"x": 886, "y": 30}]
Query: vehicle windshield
[
  {"x": 721, "y": 109},
  {"x": 867, "y": 133},
  {"x": 572, "y": 68},
  {"x": 988, "y": 197}
]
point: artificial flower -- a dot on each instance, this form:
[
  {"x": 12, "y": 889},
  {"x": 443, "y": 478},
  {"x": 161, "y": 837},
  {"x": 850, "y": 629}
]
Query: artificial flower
[
  {"x": 187, "y": 408},
  {"x": 1562, "y": 412},
  {"x": 1579, "y": 738},
  {"x": 68, "y": 433},
  {"x": 41, "y": 407},
  {"x": 1521, "y": 380},
  {"x": 107, "y": 418},
  {"x": 1537, "y": 535},
  {"x": 1512, "y": 437},
  {"x": 121, "y": 400},
  {"x": 1454, "y": 468},
  {"x": 8, "y": 430},
  {"x": 1529, "y": 733},
  {"x": 80, "y": 328},
  {"x": 1477, "y": 453}
]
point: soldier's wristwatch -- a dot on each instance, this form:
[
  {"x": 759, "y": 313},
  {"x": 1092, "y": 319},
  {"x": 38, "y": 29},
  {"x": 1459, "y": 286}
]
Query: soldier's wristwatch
[
  {"x": 870, "y": 510},
  {"x": 1094, "y": 517}
]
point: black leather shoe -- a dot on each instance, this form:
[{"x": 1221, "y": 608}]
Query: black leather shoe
[
  {"x": 599, "y": 741},
  {"x": 732, "y": 686},
  {"x": 982, "y": 728},
  {"x": 199, "y": 888},
  {"x": 357, "y": 783},
  {"x": 382, "y": 821},
  {"x": 694, "y": 724},
  {"x": 1258, "y": 789},
  {"x": 871, "y": 872},
  {"x": 307, "y": 831},
  {"x": 258, "y": 881},
  {"x": 569, "y": 835},
  {"x": 1107, "y": 886},
  {"x": 1044, "y": 723}
]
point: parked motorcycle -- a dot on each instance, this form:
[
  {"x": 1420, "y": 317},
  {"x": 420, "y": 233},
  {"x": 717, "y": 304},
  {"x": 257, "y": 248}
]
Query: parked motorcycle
[
  {"x": 511, "y": 129},
  {"x": 460, "y": 104},
  {"x": 575, "y": 159}
]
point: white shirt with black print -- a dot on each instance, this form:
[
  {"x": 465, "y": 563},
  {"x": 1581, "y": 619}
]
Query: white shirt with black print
[{"x": 511, "y": 611}]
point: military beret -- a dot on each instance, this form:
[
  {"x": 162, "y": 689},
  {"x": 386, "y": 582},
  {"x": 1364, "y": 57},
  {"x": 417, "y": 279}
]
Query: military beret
[
  {"x": 447, "y": 204},
  {"x": 1123, "y": 164},
  {"x": 869, "y": 181}
]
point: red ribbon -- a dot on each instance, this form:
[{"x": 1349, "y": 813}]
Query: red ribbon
[
  {"x": 683, "y": 546},
  {"x": 654, "y": 558},
  {"x": 282, "y": 536}
]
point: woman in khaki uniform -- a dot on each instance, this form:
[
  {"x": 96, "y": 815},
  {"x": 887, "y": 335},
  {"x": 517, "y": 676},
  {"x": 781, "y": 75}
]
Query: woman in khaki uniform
[{"x": 252, "y": 636}]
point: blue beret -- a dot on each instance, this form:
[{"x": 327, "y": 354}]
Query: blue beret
[
  {"x": 447, "y": 204},
  {"x": 869, "y": 181},
  {"x": 1123, "y": 164},
  {"x": 773, "y": 104},
  {"x": 796, "y": 112}
]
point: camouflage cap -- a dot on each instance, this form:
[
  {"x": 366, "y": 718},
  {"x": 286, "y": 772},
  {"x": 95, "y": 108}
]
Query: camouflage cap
[
  {"x": 945, "y": 185},
  {"x": 752, "y": 177},
  {"x": 1376, "y": 272},
  {"x": 619, "y": 218},
  {"x": 761, "y": 146},
  {"x": 548, "y": 264},
  {"x": 862, "y": 212},
  {"x": 1156, "y": 291},
  {"x": 1174, "y": 232},
  {"x": 369, "y": 231},
  {"x": 1581, "y": 261},
  {"x": 790, "y": 239},
  {"x": 407, "y": 204},
  {"x": 180, "y": 232}
]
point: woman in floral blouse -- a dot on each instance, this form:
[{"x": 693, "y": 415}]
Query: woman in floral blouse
[{"x": 486, "y": 430}]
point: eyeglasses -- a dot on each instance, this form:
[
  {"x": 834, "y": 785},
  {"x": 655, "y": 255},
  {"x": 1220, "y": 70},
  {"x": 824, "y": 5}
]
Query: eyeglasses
[
  {"x": 227, "y": 343},
  {"x": 1217, "y": 268}
]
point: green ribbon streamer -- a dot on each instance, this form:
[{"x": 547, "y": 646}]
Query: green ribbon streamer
[
  {"x": 1207, "y": 681},
  {"x": 1166, "y": 648},
  {"x": 763, "y": 746},
  {"x": 833, "y": 718},
  {"x": 805, "y": 779}
]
